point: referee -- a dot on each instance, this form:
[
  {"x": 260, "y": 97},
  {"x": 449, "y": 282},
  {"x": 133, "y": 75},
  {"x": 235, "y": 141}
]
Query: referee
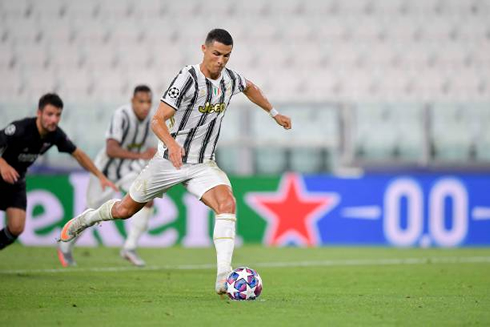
[{"x": 21, "y": 143}]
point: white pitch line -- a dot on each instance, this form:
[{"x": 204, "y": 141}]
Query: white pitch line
[{"x": 323, "y": 263}]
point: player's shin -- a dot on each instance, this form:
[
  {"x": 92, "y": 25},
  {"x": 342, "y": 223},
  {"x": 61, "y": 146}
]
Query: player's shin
[
  {"x": 138, "y": 225},
  {"x": 224, "y": 241},
  {"x": 103, "y": 213}
]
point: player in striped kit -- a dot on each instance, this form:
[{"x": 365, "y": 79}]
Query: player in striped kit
[
  {"x": 187, "y": 124},
  {"x": 129, "y": 146}
]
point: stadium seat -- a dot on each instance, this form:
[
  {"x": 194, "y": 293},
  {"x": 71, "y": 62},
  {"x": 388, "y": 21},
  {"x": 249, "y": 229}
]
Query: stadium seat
[
  {"x": 82, "y": 10},
  {"x": 11, "y": 86},
  {"x": 270, "y": 161},
  {"x": 375, "y": 139},
  {"x": 97, "y": 57},
  {"x": 110, "y": 86},
  {"x": 482, "y": 142},
  {"x": 16, "y": 9},
  {"x": 408, "y": 122},
  {"x": 31, "y": 56},
  {"x": 6, "y": 57},
  {"x": 148, "y": 11},
  {"x": 71, "y": 58},
  {"x": 24, "y": 32},
  {"x": 132, "y": 56},
  {"x": 78, "y": 87},
  {"x": 57, "y": 32},
  {"x": 307, "y": 161},
  {"x": 127, "y": 34},
  {"x": 115, "y": 10},
  {"x": 448, "y": 145},
  {"x": 41, "y": 82},
  {"x": 94, "y": 34},
  {"x": 48, "y": 9}
]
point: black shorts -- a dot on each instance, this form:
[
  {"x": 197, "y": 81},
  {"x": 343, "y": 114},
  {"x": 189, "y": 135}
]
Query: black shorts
[{"x": 13, "y": 195}]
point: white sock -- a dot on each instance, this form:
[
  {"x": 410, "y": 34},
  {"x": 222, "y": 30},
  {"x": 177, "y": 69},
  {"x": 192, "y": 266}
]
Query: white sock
[
  {"x": 224, "y": 240},
  {"x": 102, "y": 213},
  {"x": 139, "y": 225}
]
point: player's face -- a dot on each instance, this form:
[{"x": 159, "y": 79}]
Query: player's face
[
  {"x": 141, "y": 104},
  {"x": 216, "y": 56},
  {"x": 49, "y": 117}
]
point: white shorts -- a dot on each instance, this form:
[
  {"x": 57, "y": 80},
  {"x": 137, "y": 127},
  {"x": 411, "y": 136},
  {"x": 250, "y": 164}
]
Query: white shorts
[
  {"x": 160, "y": 175},
  {"x": 96, "y": 196}
]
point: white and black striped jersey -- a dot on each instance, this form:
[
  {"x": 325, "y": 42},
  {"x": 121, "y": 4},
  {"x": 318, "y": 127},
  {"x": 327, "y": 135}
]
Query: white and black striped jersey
[
  {"x": 133, "y": 135},
  {"x": 200, "y": 105}
]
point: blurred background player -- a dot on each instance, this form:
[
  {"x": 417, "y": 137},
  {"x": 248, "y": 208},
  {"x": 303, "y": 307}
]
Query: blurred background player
[
  {"x": 129, "y": 145},
  {"x": 194, "y": 105},
  {"x": 21, "y": 143}
]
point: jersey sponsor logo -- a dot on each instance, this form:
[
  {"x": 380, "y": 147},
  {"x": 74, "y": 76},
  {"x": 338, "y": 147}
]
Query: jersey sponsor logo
[
  {"x": 10, "y": 129},
  {"x": 27, "y": 157},
  {"x": 173, "y": 92},
  {"x": 209, "y": 108}
]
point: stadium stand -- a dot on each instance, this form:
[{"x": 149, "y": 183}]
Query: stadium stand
[{"x": 389, "y": 61}]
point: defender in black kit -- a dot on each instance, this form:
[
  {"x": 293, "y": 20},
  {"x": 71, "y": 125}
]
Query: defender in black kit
[{"x": 21, "y": 143}]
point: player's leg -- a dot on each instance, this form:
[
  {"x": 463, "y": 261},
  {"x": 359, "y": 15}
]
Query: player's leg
[
  {"x": 16, "y": 220},
  {"x": 110, "y": 210},
  {"x": 95, "y": 197},
  {"x": 14, "y": 203},
  {"x": 211, "y": 185},
  {"x": 157, "y": 177},
  {"x": 221, "y": 200},
  {"x": 139, "y": 225}
]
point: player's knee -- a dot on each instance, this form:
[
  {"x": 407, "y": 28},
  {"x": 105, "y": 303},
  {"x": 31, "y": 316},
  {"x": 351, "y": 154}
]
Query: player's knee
[
  {"x": 16, "y": 228},
  {"x": 227, "y": 205}
]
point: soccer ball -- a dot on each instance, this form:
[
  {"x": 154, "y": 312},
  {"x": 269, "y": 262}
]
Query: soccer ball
[{"x": 243, "y": 283}]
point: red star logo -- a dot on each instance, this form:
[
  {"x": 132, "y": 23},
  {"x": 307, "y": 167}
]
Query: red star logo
[{"x": 292, "y": 213}]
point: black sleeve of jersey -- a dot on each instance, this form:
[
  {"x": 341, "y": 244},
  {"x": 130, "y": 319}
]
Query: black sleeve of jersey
[
  {"x": 10, "y": 133},
  {"x": 63, "y": 143}
]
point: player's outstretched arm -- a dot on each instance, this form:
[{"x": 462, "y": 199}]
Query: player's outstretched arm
[
  {"x": 115, "y": 150},
  {"x": 86, "y": 163},
  {"x": 254, "y": 93},
  {"x": 159, "y": 127}
]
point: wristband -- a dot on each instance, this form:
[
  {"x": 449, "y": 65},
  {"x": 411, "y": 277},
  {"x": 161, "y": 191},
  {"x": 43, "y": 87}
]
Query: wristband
[{"x": 273, "y": 112}]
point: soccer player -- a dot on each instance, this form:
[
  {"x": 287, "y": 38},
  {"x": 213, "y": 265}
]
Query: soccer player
[
  {"x": 129, "y": 146},
  {"x": 21, "y": 143},
  {"x": 194, "y": 106}
]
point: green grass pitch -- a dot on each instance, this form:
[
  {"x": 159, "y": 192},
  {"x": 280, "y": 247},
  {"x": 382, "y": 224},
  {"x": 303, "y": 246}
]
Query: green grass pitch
[{"x": 302, "y": 287}]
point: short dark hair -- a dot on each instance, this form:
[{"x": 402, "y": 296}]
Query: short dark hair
[
  {"x": 52, "y": 99},
  {"x": 141, "y": 88},
  {"x": 219, "y": 35}
]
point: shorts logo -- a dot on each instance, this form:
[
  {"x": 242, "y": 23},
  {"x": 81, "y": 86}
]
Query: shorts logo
[
  {"x": 173, "y": 92},
  {"x": 10, "y": 129}
]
